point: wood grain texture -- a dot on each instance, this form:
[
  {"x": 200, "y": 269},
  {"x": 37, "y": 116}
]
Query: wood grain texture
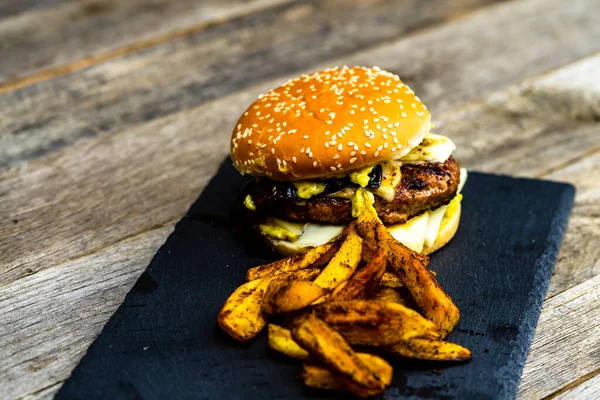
[
  {"x": 11, "y": 8},
  {"x": 95, "y": 178},
  {"x": 71, "y": 35},
  {"x": 447, "y": 66},
  {"x": 543, "y": 127},
  {"x": 566, "y": 344},
  {"x": 43, "y": 336},
  {"x": 585, "y": 388},
  {"x": 112, "y": 208}
]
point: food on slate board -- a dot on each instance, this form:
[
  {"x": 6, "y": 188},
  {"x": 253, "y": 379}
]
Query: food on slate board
[{"x": 347, "y": 181}]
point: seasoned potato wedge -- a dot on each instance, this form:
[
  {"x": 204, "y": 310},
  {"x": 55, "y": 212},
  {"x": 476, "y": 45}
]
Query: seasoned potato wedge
[
  {"x": 365, "y": 280},
  {"x": 390, "y": 280},
  {"x": 319, "y": 377},
  {"x": 423, "y": 286},
  {"x": 396, "y": 295},
  {"x": 429, "y": 349},
  {"x": 344, "y": 262},
  {"x": 315, "y": 257},
  {"x": 290, "y": 295},
  {"x": 329, "y": 347},
  {"x": 280, "y": 339},
  {"x": 241, "y": 315},
  {"x": 374, "y": 323}
]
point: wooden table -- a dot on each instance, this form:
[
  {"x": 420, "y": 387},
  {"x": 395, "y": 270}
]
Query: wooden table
[{"x": 114, "y": 115}]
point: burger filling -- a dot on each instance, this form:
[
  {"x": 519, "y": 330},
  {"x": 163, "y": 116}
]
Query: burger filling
[{"x": 413, "y": 196}]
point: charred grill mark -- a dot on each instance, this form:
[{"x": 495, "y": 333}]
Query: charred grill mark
[
  {"x": 417, "y": 183},
  {"x": 422, "y": 187}
]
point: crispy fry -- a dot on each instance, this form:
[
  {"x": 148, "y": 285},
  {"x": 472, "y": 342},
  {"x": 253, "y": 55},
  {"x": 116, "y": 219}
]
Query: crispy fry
[
  {"x": 284, "y": 296},
  {"x": 368, "y": 250},
  {"x": 390, "y": 280},
  {"x": 302, "y": 274},
  {"x": 374, "y": 323},
  {"x": 365, "y": 280},
  {"x": 396, "y": 295},
  {"x": 344, "y": 262},
  {"x": 280, "y": 339},
  {"x": 315, "y": 257},
  {"x": 410, "y": 266},
  {"x": 330, "y": 348},
  {"x": 423, "y": 286},
  {"x": 319, "y": 377},
  {"x": 429, "y": 349},
  {"x": 241, "y": 314}
]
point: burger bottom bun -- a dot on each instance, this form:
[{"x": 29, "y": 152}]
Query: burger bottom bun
[{"x": 444, "y": 236}]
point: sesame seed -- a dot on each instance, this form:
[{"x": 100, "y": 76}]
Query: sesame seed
[
  {"x": 376, "y": 154},
  {"x": 272, "y": 150},
  {"x": 335, "y": 157},
  {"x": 294, "y": 159},
  {"x": 305, "y": 136},
  {"x": 352, "y": 160},
  {"x": 332, "y": 168},
  {"x": 403, "y": 115},
  {"x": 367, "y": 144},
  {"x": 314, "y": 164},
  {"x": 340, "y": 147},
  {"x": 362, "y": 152}
]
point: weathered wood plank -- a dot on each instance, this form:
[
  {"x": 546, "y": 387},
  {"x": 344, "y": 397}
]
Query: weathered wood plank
[
  {"x": 12, "y": 8},
  {"x": 587, "y": 389},
  {"x": 543, "y": 128},
  {"x": 566, "y": 345},
  {"x": 447, "y": 66},
  {"x": 44, "y": 336},
  {"x": 109, "y": 187},
  {"x": 61, "y": 38}
]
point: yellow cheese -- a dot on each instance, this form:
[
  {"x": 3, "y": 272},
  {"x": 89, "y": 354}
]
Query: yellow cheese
[
  {"x": 390, "y": 178},
  {"x": 411, "y": 234},
  {"x": 306, "y": 190},
  {"x": 278, "y": 232},
  {"x": 361, "y": 177},
  {"x": 318, "y": 234},
  {"x": 451, "y": 210},
  {"x": 433, "y": 225},
  {"x": 434, "y": 148},
  {"x": 296, "y": 227},
  {"x": 249, "y": 204}
]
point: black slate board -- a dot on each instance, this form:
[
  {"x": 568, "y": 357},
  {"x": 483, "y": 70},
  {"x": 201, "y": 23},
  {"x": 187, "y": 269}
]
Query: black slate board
[{"x": 163, "y": 342}]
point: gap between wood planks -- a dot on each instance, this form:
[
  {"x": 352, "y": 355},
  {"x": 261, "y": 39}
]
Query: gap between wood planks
[
  {"x": 573, "y": 385},
  {"x": 124, "y": 50},
  {"x": 143, "y": 44}
]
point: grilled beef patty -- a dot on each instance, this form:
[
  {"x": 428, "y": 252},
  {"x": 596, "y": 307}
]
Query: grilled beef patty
[{"x": 422, "y": 187}]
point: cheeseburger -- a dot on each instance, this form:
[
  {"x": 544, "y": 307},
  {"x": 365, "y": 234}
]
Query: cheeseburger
[{"x": 309, "y": 144}]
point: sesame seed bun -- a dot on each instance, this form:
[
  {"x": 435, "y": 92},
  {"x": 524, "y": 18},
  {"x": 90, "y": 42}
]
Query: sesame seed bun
[{"x": 328, "y": 123}]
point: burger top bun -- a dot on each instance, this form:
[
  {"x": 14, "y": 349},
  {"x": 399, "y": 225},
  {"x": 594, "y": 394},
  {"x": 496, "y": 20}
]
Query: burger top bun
[{"x": 328, "y": 123}]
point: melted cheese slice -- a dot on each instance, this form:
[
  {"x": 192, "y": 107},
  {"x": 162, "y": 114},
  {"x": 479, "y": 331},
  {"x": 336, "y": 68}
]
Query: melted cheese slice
[
  {"x": 433, "y": 148},
  {"x": 411, "y": 234},
  {"x": 415, "y": 234}
]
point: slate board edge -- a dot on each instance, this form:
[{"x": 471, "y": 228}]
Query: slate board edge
[{"x": 544, "y": 266}]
